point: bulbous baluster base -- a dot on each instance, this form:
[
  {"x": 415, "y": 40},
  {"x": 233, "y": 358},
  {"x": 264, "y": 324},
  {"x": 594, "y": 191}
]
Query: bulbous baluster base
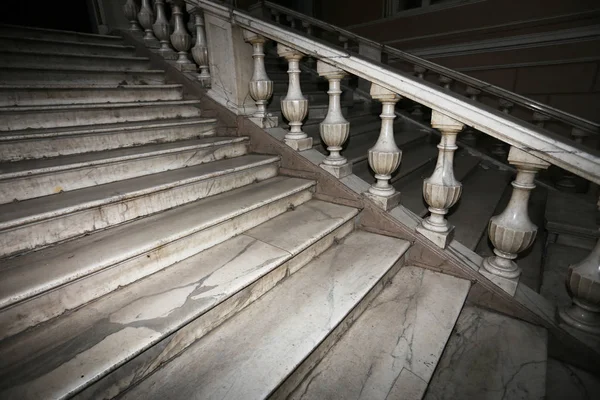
[
  {"x": 502, "y": 265},
  {"x": 166, "y": 51},
  {"x": 581, "y": 316}
]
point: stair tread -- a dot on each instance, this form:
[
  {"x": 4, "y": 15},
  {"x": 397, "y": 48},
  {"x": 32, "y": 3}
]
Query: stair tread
[
  {"x": 6, "y": 53},
  {"x": 481, "y": 193},
  {"x": 491, "y": 353},
  {"x": 103, "y": 128},
  {"x": 284, "y": 326},
  {"x": 60, "y": 163},
  {"x": 72, "y": 107},
  {"x": 156, "y": 306},
  {"x": 41, "y": 208},
  {"x": 42, "y": 270},
  {"x": 391, "y": 350},
  {"x": 69, "y": 42},
  {"x": 411, "y": 186}
]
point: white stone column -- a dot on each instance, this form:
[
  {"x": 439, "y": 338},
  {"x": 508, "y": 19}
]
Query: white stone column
[
  {"x": 344, "y": 41},
  {"x": 200, "y": 49},
  {"x": 334, "y": 129},
  {"x": 540, "y": 119},
  {"x": 512, "y": 232},
  {"x": 162, "y": 30},
  {"x": 294, "y": 106},
  {"x": 180, "y": 38},
  {"x": 441, "y": 190},
  {"x": 146, "y": 18},
  {"x": 261, "y": 87},
  {"x": 385, "y": 156},
  {"x": 131, "y": 9},
  {"x": 583, "y": 284},
  {"x": 445, "y": 82}
]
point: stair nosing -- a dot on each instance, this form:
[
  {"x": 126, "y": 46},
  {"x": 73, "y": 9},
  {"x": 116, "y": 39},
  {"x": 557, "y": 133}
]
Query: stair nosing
[
  {"x": 146, "y": 151},
  {"x": 113, "y": 198}
]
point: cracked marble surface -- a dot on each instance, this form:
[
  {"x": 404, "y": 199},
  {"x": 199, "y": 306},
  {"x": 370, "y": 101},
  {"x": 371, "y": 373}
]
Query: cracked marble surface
[
  {"x": 565, "y": 381},
  {"x": 251, "y": 354},
  {"x": 391, "y": 351},
  {"x": 491, "y": 357}
]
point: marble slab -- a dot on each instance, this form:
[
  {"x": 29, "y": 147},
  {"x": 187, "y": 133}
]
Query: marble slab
[
  {"x": 565, "y": 381},
  {"x": 391, "y": 351},
  {"x": 491, "y": 356},
  {"x": 252, "y": 354},
  {"x": 67, "y": 354}
]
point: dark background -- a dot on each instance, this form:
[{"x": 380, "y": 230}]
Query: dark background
[{"x": 70, "y": 15}]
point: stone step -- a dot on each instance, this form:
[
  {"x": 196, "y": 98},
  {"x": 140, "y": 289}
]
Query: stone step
[
  {"x": 41, "y": 143},
  {"x": 193, "y": 296},
  {"x": 411, "y": 186},
  {"x": 47, "y": 283},
  {"x": 289, "y": 328},
  {"x": 491, "y": 356},
  {"x": 33, "y": 59},
  {"x": 481, "y": 192},
  {"x": 46, "y": 220},
  {"x": 36, "y": 117},
  {"x": 52, "y": 34},
  {"x": 13, "y": 43},
  {"x": 40, "y": 95},
  {"x": 391, "y": 351},
  {"x": 80, "y": 76},
  {"x": 29, "y": 179}
]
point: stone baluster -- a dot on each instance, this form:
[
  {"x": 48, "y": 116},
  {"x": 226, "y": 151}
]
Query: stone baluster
[
  {"x": 344, "y": 41},
  {"x": 146, "y": 18},
  {"x": 569, "y": 182},
  {"x": 181, "y": 39},
  {"x": 469, "y": 134},
  {"x": 162, "y": 30},
  {"x": 540, "y": 119},
  {"x": 276, "y": 15},
  {"x": 417, "y": 111},
  {"x": 441, "y": 190},
  {"x": 512, "y": 232},
  {"x": 131, "y": 9},
  {"x": 309, "y": 31},
  {"x": 200, "y": 49},
  {"x": 334, "y": 128},
  {"x": 291, "y": 20},
  {"x": 260, "y": 86},
  {"x": 583, "y": 285},
  {"x": 294, "y": 106},
  {"x": 445, "y": 82},
  {"x": 384, "y": 158},
  {"x": 499, "y": 148}
]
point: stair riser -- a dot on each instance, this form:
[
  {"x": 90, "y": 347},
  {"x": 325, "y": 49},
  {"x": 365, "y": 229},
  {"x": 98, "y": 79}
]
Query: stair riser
[
  {"x": 61, "y": 118},
  {"x": 71, "y": 295},
  {"x": 146, "y": 363},
  {"x": 16, "y": 44},
  {"x": 54, "y": 146},
  {"x": 43, "y": 60},
  {"x": 19, "y": 32},
  {"x": 120, "y": 77},
  {"x": 73, "y": 222},
  {"x": 298, "y": 375},
  {"x": 47, "y": 97},
  {"x": 52, "y": 182}
]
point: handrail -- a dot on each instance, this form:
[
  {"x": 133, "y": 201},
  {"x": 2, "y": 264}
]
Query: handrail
[
  {"x": 530, "y": 138},
  {"x": 570, "y": 119}
]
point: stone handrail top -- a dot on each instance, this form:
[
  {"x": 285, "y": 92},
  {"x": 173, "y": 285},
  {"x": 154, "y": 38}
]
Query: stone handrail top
[
  {"x": 528, "y": 137},
  {"x": 575, "y": 121}
]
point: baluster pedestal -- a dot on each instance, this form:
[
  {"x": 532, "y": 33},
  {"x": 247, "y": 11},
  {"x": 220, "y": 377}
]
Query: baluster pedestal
[
  {"x": 441, "y": 190},
  {"x": 385, "y": 156}
]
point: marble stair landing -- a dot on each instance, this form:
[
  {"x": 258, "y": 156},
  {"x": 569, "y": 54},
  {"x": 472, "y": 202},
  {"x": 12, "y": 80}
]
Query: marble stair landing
[
  {"x": 391, "y": 351},
  {"x": 491, "y": 357}
]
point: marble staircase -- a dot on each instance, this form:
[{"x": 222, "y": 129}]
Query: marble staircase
[{"x": 146, "y": 254}]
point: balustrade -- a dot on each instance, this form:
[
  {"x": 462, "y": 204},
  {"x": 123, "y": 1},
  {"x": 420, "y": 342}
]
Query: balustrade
[
  {"x": 200, "y": 49},
  {"x": 334, "y": 129},
  {"x": 294, "y": 106},
  {"x": 512, "y": 232},
  {"x": 146, "y": 19},
  {"x": 180, "y": 38},
  {"x": 384, "y": 158},
  {"x": 441, "y": 190},
  {"x": 261, "y": 87},
  {"x": 162, "y": 30}
]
